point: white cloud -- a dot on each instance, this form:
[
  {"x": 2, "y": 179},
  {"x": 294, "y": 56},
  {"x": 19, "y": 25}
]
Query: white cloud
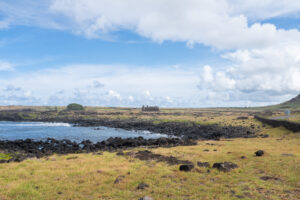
[
  {"x": 216, "y": 23},
  {"x": 118, "y": 85},
  {"x": 221, "y": 24},
  {"x": 6, "y": 66},
  {"x": 218, "y": 81},
  {"x": 256, "y": 74},
  {"x": 114, "y": 94},
  {"x": 263, "y": 59}
]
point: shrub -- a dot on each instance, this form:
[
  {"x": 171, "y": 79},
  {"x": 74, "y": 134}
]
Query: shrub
[{"x": 75, "y": 106}]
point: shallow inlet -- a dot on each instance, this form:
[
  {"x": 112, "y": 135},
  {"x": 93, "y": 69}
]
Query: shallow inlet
[{"x": 60, "y": 131}]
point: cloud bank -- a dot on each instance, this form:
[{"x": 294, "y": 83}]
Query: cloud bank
[
  {"x": 263, "y": 60},
  {"x": 104, "y": 85}
]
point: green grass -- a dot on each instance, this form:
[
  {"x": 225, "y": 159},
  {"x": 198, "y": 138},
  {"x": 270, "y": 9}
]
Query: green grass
[{"x": 4, "y": 156}]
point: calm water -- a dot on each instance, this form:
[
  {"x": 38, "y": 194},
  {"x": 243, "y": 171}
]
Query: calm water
[{"x": 42, "y": 130}]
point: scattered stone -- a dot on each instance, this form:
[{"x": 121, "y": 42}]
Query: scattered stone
[
  {"x": 120, "y": 153},
  {"x": 243, "y": 157},
  {"x": 98, "y": 153},
  {"x": 142, "y": 186},
  {"x": 225, "y": 166},
  {"x": 212, "y": 144},
  {"x": 119, "y": 179},
  {"x": 215, "y": 150},
  {"x": 203, "y": 164},
  {"x": 59, "y": 192},
  {"x": 267, "y": 178},
  {"x": 264, "y": 135},
  {"x": 186, "y": 168},
  {"x": 259, "y": 153},
  {"x": 206, "y": 150},
  {"x": 146, "y": 198},
  {"x": 72, "y": 157}
]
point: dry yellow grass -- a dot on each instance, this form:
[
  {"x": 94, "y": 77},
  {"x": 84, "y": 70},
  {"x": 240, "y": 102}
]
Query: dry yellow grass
[{"x": 92, "y": 176}]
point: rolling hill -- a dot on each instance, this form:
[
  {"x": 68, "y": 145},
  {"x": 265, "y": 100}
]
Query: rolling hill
[{"x": 293, "y": 103}]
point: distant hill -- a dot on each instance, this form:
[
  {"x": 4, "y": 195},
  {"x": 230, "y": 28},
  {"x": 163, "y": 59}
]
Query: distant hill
[{"x": 294, "y": 103}]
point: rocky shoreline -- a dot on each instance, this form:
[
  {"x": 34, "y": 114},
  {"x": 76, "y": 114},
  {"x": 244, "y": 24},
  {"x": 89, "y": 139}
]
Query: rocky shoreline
[
  {"x": 185, "y": 130},
  {"x": 22, "y": 149},
  {"x": 187, "y": 133}
]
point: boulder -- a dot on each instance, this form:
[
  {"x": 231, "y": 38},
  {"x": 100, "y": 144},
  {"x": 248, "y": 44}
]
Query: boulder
[
  {"x": 203, "y": 164},
  {"x": 186, "y": 168},
  {"x": 259, "y": 153},
  {"x": 142, "y": 186},
  {"x": 225, "y": 166}
]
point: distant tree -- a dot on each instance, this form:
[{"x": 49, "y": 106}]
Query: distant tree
[{"x": 75, "y": 106}]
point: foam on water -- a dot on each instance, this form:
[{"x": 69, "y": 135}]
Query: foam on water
[{"x": 36, "y": 124}]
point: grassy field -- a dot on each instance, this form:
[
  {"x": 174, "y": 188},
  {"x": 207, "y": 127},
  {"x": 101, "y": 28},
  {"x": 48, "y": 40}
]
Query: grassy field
[
  {"x": 92, "y": 176},
  {"x": 223, "y": 116}
]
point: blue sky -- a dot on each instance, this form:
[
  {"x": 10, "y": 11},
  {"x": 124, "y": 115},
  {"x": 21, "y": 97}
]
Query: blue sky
[
  {"x": 197, "y": 54},
  {"x": 53, "y": 47}
]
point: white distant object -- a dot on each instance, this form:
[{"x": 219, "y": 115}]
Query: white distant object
[{"x": 287, "y": 112}]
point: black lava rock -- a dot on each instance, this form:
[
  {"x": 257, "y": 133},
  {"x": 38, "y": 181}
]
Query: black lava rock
[
  {"x": 225, "y": 166},
  {"x": 259, "y": 153},
  {"x": 203, "y": 164},
  {"x": 186, "y": 168},
  {"x": 142, "y": 186}
]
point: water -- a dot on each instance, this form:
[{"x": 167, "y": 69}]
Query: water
[{"x": 59, "y": 131}]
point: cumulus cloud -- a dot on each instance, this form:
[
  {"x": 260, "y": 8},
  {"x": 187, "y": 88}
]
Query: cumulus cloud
[
  {"x": 215, "y": 23},
  {"x": 256, "y": 74}
]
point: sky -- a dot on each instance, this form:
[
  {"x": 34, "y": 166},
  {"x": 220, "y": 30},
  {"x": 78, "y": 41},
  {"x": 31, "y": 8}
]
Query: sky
[{"x": 129, "y": 53}]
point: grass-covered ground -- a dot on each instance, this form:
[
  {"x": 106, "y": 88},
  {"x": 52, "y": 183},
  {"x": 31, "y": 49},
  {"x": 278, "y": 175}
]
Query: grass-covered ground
[{"x": 92, "y": 176}]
